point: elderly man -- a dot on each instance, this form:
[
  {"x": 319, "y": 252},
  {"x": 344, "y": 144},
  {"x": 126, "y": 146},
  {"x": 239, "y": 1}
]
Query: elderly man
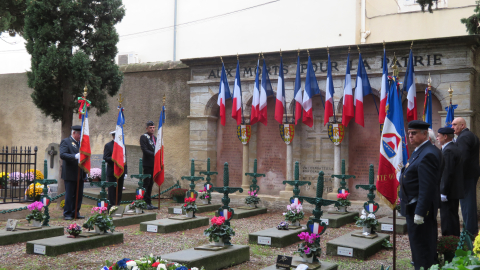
[
  {"x": 451, "y": 185},
  {"x": 420, "y": 195},
  {"x": 147, "y": 144},
  {"x": 69, "y": 153},
  {"x": 468, "y": 144}
]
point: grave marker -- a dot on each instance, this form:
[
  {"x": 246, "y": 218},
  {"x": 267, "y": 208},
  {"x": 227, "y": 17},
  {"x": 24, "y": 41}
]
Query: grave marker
[
  {"x": 192, "y": 178},
  {"x": 208, "y": 185},
  {"x": 296, "y": 183}
]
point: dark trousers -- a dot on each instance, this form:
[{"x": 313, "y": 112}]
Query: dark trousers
[
  {"x": 469, "y": 206},
  {"x": 70, "y": 197},
  {"x": 423, "y": 241},
  {"x": 148, "y": 185},
  {"x": 112, "y": 197},
  {"x": 450, "y": 221}
]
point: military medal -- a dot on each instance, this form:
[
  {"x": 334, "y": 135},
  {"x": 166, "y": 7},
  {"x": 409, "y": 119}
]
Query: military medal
[
  {"x": 74, "y": 145},
  {"x": 408, "y": 163}
]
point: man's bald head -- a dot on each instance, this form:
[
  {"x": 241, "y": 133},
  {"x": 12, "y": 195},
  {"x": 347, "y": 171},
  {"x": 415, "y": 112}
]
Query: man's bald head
[{"x": 459, "y": 124}]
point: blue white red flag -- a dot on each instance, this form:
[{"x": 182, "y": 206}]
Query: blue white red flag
[
  {"x": 427, "y": 107},
  {"x": 45, "y": 201},
  {"x": 315, "y": 228},
  {"x": 102, "y": 204},
  {"x": 371, "y": 207},
  {"x": 223, "y": 94},
  {"x": 159, "y": 164},
  {"x": 226, "y": 214},
  {"x": 140, "y": 192},
  {"x": 118, "y": 154},
  {"x": 409, "y": 86},
  {"x": 256, "y": 97},
  {"x": 311, "y": 89},
  {"x": 329, "y": 92},
  {"x": 450, "y": 115},
  {"x": 348, "y": 110},
  {"x": 362, "y": 88},
  {"x": 296, "y": 201},
  {"x": 237, "y": 109},
  {"x": 280, "y": 102},
  {"x": 85, "y": 151},
  {"x": 383, "y": 89},
  {"x": 297, "y": 94},
  {"x": 266, "y": 90}
]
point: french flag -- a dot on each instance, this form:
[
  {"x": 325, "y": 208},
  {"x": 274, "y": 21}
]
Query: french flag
[
  {"x": 311, "y": 89},
  {"x": 118, "y": 155},
  {"x": 343, "y": 191},
  {"x": 208, "y": 186},
  {"x": 362, "y": 88},
  {"x": 237, "y": 110},
  {"x": 159, "y": 163},
  {"x": 226, "y": 214},
  {"x": 140, "y": 192},
  {"x": 256, "y": 97},
  {"x": 85, "y": 152},
  {"x": 295, "y": 201},
  {"x": 280, "y": 103},
  {"x": 329, "y": 92},
  {"x": 297, "y": 95},
  {"x": 409, "y": 86},
  {"x": 265, "y": 91},
  {"x": 223, "y": 94},
  {"x": 45, "y": 201},
  {"x": 315, "y": 228},
  {"x": 383, "y": 90},
  {"x": 102, "y": 204},
  {"x": 371, "y": 207},
  {"x": 348, "y": 110}
]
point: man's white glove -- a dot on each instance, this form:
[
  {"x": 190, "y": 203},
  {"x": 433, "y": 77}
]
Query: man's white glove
[
  {"x": 418, "y": 219},
  {"x": 444, "y": 198},
  {"x": 125, "y": 176},
  {"x": 77, "y": 156}
]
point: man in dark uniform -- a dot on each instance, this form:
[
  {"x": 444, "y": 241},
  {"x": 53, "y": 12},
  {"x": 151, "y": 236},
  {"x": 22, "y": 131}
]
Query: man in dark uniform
[
  {"x": 107, "y": 156},
  {"x": 420, "y": 195},
  {"x": 69, "y": 153},
  {"x": 468, "y": 144},
  {"x": 451, "y": 185},
  {"x": 147, "y": 143}
]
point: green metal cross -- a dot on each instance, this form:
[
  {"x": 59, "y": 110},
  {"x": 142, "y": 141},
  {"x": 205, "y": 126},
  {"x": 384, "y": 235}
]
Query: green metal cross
[
  {"x": 296, "y": 184},
  {"x": 253, "y": 186},
  {"x": 192, "y": 178},
  {"x": 103, "y": 184},
  {"x": 370, "y": 206},
  {"x": 225, "y": 210},
  {"x": 140, "y": 176},
  {"x": 46, "y": 201},
  {"x": 344, "y": 177},
  {"x": 209, "y": 184}
]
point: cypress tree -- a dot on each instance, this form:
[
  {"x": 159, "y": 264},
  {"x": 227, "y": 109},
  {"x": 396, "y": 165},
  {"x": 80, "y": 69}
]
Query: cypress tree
[
  {"x": 471, "y": 23},
  {"x": 12, "y": 14}
]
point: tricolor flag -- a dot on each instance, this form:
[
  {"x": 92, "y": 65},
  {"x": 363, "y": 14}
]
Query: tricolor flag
[
  {"x": 383, "y": 89},
  {"x": 450, "y": 115},
  {"x": 265, "y": 91},
  {"x": 362, "y": 88},
  {"x": 297, "y": 95},
  {"x": 371, "y": 207},
  {"x": 159, "y": 164},
  {"x": 226, "y": 214},
  {"x": 140, "y": 192},
  {"x": 280, "y": 108},
  {"x": 118, "y": 155},
  {"x": 256, "y": 97},
  {"x": 427, "y": 107},
  {"x": 295, "y": 201},
  {"x": 329, "y": 92},
  {"x": 342, "y": 191},
  {"x": 208, "y": 187},
  {"x": 348, "y": 110},
  {"x": 237, "y": 109},
  {"x": 102, "y": 204},
  {"x": 311, "y": 89},
  {"x": 409, "y": 86},
  {"x": 393, "y": 150},
  {"x": 315, "y": 228},
  {"x": 85, "y": 152},
  {"x": 45, "y": 201},
  {"x": 223, "y": 94}
]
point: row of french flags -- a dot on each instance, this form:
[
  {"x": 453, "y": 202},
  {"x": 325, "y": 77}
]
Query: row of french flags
[{"x": 352, "y": 102}]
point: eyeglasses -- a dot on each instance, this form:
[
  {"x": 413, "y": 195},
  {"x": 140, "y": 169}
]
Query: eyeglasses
[{"x": 413, "y": 133}]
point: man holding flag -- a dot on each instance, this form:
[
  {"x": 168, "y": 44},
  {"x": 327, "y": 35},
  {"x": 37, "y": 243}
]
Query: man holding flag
[
  {"x": 148, "y": 143},
  {"x": 115, "y": 173}
]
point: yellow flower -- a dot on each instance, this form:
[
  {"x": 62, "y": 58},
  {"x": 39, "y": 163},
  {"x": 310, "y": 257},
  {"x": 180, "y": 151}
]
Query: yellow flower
[
  {"x": 31, "y": 191},
  {"x": 38, "y": 174},
  {"x": 476, "y": 246},
  {"x": 3, "y": 174}
]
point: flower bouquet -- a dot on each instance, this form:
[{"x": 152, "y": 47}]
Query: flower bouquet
[
  {"x": 16, "y": 178},
  {"x": 294, "y": 214},
  {"x": 33, "y": 193},
  {"x": 204, "y": 196},
  {"x": 38, "y": 174},
  {"x": 343, "y": 202},
  {"x": 100, "y": 221},
  {"x": 95, "y": 175},
  {"x": 309, "y": 247},
  {"x": 74, "y": 230},
  {"x": 219, "y": 232},
  {"x": 282, "y": 226},
  {"x": 146, "y": 263},
  {"x": 139, "y": 204},
  {"x": 252, "y": 199},
  {"x": 190, "y": 207},
  {"x": 368, "y": 222},
  {"x": 36, "y": 215}
]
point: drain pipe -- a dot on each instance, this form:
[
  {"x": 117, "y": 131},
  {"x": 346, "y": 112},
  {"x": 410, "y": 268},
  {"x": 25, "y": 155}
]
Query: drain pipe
[
  {"x": 364, "y": 34},
  {"x": 175, "y": 33}
]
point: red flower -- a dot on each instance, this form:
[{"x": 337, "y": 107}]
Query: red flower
[
  {"x": 139, "y": 197},
  {"x": 185, "y": 205},
  {"x": 155, "y": 264}
]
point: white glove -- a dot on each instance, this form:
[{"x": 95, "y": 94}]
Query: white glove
[
  {"x": 418, "y": 219},
  {"x": 125, "y": 176},
  {"x": 444, "y": 198},
  {"x": 77, "y": 156}
]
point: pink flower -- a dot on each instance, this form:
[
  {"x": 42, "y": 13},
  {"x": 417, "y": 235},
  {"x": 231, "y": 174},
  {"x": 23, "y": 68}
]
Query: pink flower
[
  {"x": 303, "y": 235},
  {"x": 307, "y": 250},
  {"x": 288, "y": 207}
]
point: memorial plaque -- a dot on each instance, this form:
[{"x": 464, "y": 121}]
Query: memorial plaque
[
  {"x": 11, "y": 224},
  {"x": 284, "y": 262},
  {"x": 177, "y": 211},
  {"x": 118, "y": 212},
  {"x": 152, "y": 228},
  {"x": 263, "y": 240},
  {"x": 387, "y": 227},
  {"x": 343, "y": 251},
  {"x": 39, "y": 249}
]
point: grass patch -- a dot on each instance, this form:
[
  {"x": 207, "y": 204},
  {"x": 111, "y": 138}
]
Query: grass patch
[{"x": 261, "y": 250}]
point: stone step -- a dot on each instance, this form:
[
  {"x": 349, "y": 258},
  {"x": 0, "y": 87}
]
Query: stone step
[
  {"x": 386, "y": 225},
  {"x": 17, "y": 236},
  {"x": 244, "y": 213},
  {"x": 201, "y": 208},
  {"x": 324, "y": 265},
  {"x": 337, "y": 220},
  {"x": 275, "y": 238},
  {"x": 356, "y": 247},
  {"x": 167, "y": 225},
  {"x": 128, "y": 220}
]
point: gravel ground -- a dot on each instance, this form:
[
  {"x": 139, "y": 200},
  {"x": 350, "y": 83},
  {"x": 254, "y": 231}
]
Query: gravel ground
[{"x": 137, "y": 243}]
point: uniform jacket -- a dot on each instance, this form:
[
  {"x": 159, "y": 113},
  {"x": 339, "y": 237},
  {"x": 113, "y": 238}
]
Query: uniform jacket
[
  {"x": 107, "y": 156},
  {"x": 68, "y": 149},
  {"x": 451, "y": 184},
  {"x": 468, "y": 144},
  {"x": 148, "y": 149}
]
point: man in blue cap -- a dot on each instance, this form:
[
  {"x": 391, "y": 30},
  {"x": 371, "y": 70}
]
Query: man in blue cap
[
  {"x": 451, "y": 184},
  {"x": 420, "y": 195}
]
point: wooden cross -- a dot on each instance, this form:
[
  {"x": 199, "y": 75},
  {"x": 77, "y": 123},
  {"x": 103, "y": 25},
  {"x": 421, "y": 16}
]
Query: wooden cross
[
  {"x": 370, "y": 206},
  {"x": 47, "y": 199},
  {"x": 208, "y": 186},
  {"x": 344, "y": 177},
  {"x": 103, "y": 184},
  {"x": 52, "y": 153},
  {"x": 296, "y": 184},
  {"x": 192, "y": 178},
  {"x": 140, "y": 176},
  {"x": 253, "y": 186}
]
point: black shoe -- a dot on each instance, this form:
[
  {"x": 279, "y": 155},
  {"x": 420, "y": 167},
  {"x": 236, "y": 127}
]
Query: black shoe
[
  {"x": 68, "y": 218},
  {"x": 154, "y": 207},
  {"x": 80, "y": 217},
  {"x": 150, "y": 207}
]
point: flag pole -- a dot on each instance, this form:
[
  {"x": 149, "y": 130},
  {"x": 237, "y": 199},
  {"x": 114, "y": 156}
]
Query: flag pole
[
  {"x": 164, "y": 151},
  {"x": 241, "y": 98},
  {"x": 333, "y": 98},
  {"x": 394, "y": 76},
  {"x": 119, "y": 111},
  {"x": 285, "y": 107},
  {"x": 79, "y": 168},
  {"x": 293, "y": 100}
]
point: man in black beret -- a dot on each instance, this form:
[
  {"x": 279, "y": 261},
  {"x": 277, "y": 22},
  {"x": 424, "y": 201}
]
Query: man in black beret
[
  {"x": 112, "y": 191},
  {"x": 69, "y": 153},
  {"x": 147, "y": 144},
  {"x": 451, "y": 185},
  {"x": 420, "y": 195}
]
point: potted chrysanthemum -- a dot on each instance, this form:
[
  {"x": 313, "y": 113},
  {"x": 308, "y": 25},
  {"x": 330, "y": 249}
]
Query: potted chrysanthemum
[
  {"x": 74, "y": 230},
  {"x": 309, "y": 247},
  {"x": 294, "y": 214},
  {"x": 36, "y": 215}
]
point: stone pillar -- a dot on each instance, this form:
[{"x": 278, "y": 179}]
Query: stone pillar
[
  {"x": 245, "y": 168},
  {"x": 288, "y": 188},
  {"x": 337, "y": 165}
]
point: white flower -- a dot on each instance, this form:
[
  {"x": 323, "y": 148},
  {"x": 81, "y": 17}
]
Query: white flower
[
  {"x": 299, "y": 207},
  {"x": 363, "y": 212},
  {"x": 135, "y": 268},
  {"x": 288, "y": 207},
  {"x": 131, "y": 264},
  {"x": 284, "y": 214},
  {"x": 371, "y": 216},
  {"x": 161, "y": 267},
  {"x": 194, "y": 268},
  {"x": 363, "y": 217}
]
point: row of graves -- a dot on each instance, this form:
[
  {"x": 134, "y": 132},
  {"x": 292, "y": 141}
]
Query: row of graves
[{"x": 41, "y": 238}]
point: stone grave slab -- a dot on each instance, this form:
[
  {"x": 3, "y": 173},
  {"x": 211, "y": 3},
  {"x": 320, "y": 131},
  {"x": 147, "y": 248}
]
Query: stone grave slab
[
  {"x": 275, "y": 238},
  {"x": 355, "y": 247},
  {"x": 338, "y": 220},
  {"x": 62, "y": 244},
  {"x": 244, "y": 213},
  {"x": 18, "y": 236},
  {"x": 127, "y": 220},
  {"x": 386, "y": 225},
  {"x": 127, "y": 195},
  {"x": 202, "y": 208},
  {"x": 168, "y": 225},
  {"x": 211, "y": 260},
  {"x": 323, "y": 266}
]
